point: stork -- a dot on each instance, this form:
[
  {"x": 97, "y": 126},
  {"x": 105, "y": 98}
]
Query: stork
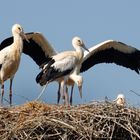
[
  {"x": 120, "y": 100},
  {"x": 10, "y": 58},
  {"x": 109, "y": 51},
  {"x": 63, "y": 64}
]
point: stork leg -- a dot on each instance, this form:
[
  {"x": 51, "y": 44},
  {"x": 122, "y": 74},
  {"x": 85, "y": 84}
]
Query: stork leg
[
  {"x": 10, "y": 93},
  {"x": 64, "y": 93},
  {"x": 2, "y": 91},
  {"x": 67, "y": 95},
  {"x": 71, "y": 94},
  {"x": 67, "y": 89},
  {"x": 59, "y": 93}
]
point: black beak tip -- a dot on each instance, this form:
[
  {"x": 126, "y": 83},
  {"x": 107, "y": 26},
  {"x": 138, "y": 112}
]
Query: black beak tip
[{"x": 38, "y": 78}]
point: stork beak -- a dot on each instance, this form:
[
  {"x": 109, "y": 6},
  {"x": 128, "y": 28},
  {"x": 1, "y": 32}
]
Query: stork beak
[
  {"x": 24, "y": 37},
  {"x": 80, "y": 90},
  {"x": 84, "y": 47}
]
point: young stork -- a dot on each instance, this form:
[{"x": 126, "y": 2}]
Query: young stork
[
  {"x": 62, "y": 65},
  {"x": 120, "y": 100},
  {"x": 10, "y": 58}
]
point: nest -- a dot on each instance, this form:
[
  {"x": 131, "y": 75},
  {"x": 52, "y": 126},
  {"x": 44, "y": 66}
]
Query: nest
[{"x": 97, "y": 120}]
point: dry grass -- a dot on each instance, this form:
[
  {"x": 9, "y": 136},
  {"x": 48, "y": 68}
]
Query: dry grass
[{"x": 39, "y": 121}]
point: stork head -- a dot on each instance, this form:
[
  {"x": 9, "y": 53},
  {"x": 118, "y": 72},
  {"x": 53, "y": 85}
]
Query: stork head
[
  {"x": 120, "y": 100},
  {"x": 17, "y": 29},
  {"x": 78, "y": 42}
]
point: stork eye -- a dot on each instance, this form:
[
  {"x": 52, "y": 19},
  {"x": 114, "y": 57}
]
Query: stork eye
[
  {"x": 19, "y": 28},
  {"x": 79, "y": 41}
]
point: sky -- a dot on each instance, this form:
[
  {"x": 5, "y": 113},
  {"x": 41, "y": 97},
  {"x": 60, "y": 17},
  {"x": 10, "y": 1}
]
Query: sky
[{"x": 92, "y": 20}]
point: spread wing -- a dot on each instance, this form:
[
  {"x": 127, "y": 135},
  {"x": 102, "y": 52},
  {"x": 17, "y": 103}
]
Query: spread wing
[
  {"x": 111, "y": 51},
  {"x": 38, "y": 47}
]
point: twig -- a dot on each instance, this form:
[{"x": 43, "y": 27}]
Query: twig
[
  {"x": 135, "y": 93},
  {"x": 42, "y": 121},
  {"x": 134, "y": 132},
  {"x": 22, "y": 97},
  {"x": 63, "y": 123},
  {"x": 39, "y": 96}
]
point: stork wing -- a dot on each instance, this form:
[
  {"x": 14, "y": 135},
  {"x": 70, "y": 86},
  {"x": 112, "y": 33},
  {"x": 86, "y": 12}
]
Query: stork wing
[
  {"x": 6, "y": 42},
  {"x": 38, "y": 48},
  {"x": 111, "y": 51},
  {"x": 65, "y": 64},
  {"x": 56, "y": 69}
]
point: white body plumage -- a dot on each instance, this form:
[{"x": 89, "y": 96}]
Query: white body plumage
[{"x": 10, "y": 58}]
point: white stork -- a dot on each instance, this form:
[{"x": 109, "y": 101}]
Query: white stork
[
  {"x": 120, "y": 100},
  {"x": 10, "y": 58},
  {"x": 62, "y": 65},
  {"x": 110, "y": 51}
]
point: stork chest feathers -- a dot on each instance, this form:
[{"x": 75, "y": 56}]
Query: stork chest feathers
[
  {"x": 10, "y": 57},
  {"x": 15, "y": 51}
]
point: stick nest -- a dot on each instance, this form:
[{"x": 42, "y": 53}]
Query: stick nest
[{"x": 97, "y": 120}]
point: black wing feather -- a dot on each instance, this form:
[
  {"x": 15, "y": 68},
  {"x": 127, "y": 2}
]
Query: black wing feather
[
  {"x": 50, "y": 74},
  {"x": 6, "y": 42},
  {"x": 111, "y": 55},
  {"x": 35, "y": 51},
  {"x": 32, "y": 49}
]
